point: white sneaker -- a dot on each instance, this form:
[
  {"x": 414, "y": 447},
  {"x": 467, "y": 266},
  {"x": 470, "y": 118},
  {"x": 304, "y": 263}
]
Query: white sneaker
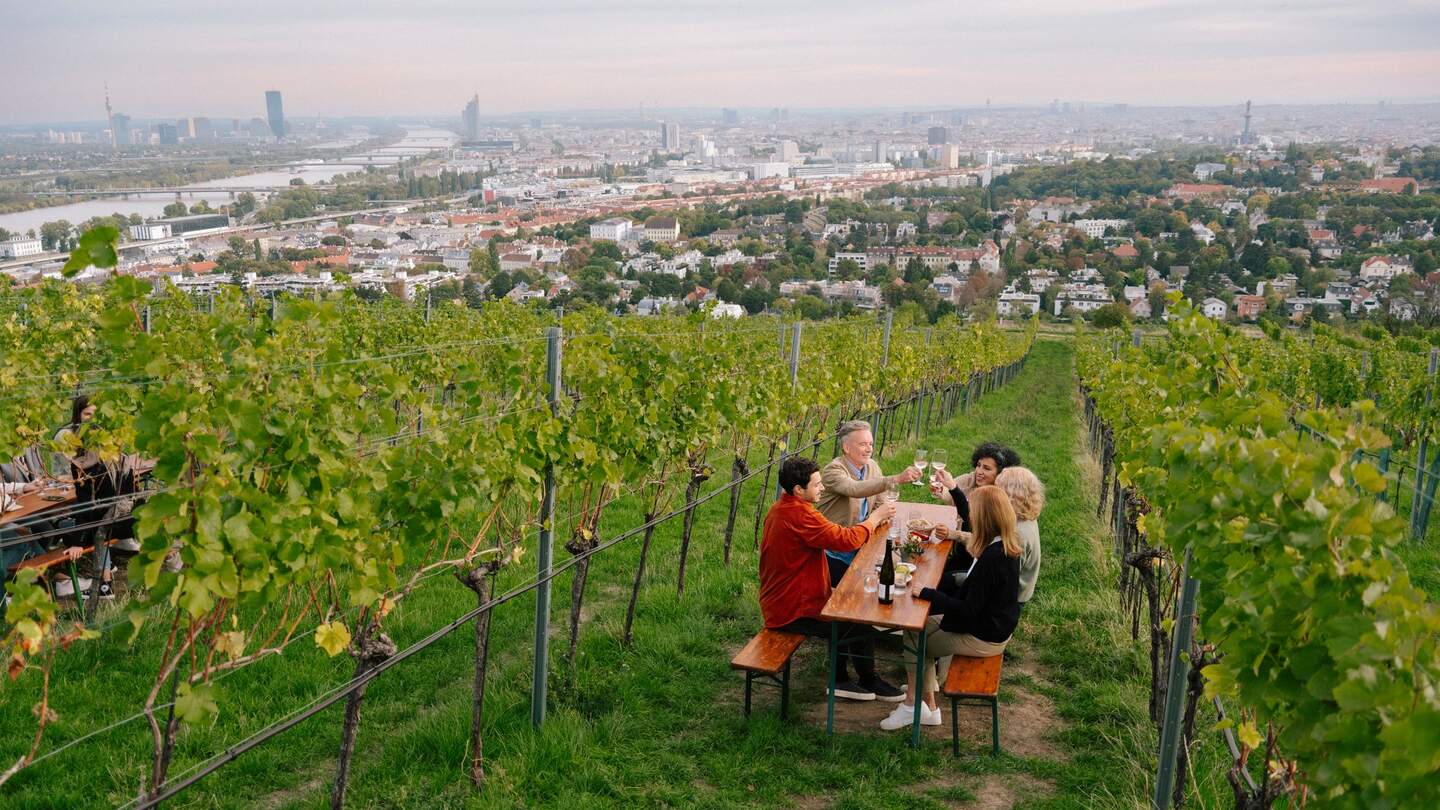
[
  {"x": 66, "y": 587},
  {"x": 904, "y": 715}
]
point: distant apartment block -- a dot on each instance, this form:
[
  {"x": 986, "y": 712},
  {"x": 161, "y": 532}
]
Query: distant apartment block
[
  {"x": 19, "y": 247},
  {"x": 617, "y": 229},
  {"x": 1013, "y": 303},
  {"x": 178, "y": 226},
  {"x": 662, "y": 229},
  {"x": 760, "y": 171},
  {"x": 861, "y": 259},
  {"x": 1204, "y": 171},
  {"x": 1095, "y": 228}
]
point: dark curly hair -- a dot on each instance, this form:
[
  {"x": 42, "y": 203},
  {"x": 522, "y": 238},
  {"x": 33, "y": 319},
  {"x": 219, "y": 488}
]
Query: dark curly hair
[{"x": 1002, "y": 455}]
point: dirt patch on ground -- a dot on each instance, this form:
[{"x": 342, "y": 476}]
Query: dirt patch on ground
[
  {"x": 1002, "y": 792},
  {"x": 1029, "y": 723},
  {"x": 284, "y": 797}
]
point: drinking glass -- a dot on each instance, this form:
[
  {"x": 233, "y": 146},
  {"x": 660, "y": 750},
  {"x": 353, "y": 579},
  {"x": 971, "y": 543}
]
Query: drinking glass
[
  {"x": 920, "y": 462},
  {"x": 872, "y": 583},
  {"x": 892, "y": 494},
  {"x": 938, "y": 459}
]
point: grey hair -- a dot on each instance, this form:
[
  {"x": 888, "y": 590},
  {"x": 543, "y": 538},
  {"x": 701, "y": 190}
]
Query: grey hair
[{"x": 852, "y": 426}]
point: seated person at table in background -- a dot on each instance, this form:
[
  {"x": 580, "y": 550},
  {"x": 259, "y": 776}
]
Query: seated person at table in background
[
  {"x": 981, "y": 616},
  {"x": 794, "y": 578},
  {"x": 9, "y": 490},
  {"x": 1027, "y": 496},
  {"x": 16, "y": 544},
  {"x": 26, "y": 467},
  {"x": 853, "y": 486},
  {"x": 987, "y": 460},
  {"x": 15, "y": 547},
  {"x": 112, "y": 483}
]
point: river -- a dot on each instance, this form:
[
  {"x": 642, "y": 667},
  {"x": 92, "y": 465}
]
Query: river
[{"x": 418, "y": 140}]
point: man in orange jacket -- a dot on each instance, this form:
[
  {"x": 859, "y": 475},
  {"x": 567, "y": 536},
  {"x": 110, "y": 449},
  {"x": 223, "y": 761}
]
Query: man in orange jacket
[{"x": 795, "y": 580}]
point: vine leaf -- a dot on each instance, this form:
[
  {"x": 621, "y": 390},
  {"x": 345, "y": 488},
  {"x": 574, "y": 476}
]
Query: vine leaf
[
  {"x": 96, "y": 248},
  {"x": 332, "y": 637},
  {"x": 196, "y": 704}
]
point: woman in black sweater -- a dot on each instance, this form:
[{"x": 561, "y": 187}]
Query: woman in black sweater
[{"x": 979, "y": 618}]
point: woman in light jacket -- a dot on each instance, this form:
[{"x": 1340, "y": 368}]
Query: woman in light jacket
[{"x": 1027, "y": 496}]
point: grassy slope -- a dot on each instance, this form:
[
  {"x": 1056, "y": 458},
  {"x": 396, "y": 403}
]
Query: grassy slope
[{"x": 658, "y": 724}]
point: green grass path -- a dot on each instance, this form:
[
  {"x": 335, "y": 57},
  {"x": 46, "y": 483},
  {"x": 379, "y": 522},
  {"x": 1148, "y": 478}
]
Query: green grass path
[{"x": 660, "y": 724}]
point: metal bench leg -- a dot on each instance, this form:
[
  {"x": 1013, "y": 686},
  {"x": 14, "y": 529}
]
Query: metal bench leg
[
  {"x": 954, "y": 727},
  {"x": 748, "y": 677},
  {"x": 785, "y": 692},
  {"x": 75, "y": 589},
  {"x": 995, "y": 726}
]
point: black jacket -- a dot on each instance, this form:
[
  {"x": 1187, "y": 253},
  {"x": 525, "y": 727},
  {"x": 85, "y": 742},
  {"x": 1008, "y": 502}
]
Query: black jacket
[{"x": 987, "y": 604}]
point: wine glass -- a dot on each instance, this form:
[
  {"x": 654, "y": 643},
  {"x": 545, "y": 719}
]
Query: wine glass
[
  {"x": 920, "y": 462},
  {"x": 891, "y": 494},
  {"x": 938, "y": 460}
]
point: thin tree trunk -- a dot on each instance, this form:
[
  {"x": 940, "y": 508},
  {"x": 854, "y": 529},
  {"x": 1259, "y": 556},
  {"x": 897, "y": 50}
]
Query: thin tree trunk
[
  {"x": 1195, "y": 685},
  {"x": 480, "y": 580},
  {"x": 577, "y": 597},
  {"x": 698, "y": 475},
  {"x": 764, "y": 492},
  {"x": 1143, "y": 562},
  {"x": 738, "y": 470},
  {"x": 640, "y": 568},
  {"x": 172, "y": 724},
  {"x": 371, "y": 652}
]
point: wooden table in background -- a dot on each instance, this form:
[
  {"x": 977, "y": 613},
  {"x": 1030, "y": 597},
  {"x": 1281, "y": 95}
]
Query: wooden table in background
[
  {"x": 849, "y": 603},
  {"x": 33, "y": 504}
]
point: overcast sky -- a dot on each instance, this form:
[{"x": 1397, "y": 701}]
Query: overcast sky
[{"x": 334, "y": 57}]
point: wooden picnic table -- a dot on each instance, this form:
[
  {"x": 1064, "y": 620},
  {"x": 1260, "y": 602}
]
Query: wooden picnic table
[
  {"x": 34, "y": 503},
  {"x": 850, "y": 603}
]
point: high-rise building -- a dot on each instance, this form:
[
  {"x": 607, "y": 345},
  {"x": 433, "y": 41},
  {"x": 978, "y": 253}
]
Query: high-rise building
[
  {"x": 203, "y": 130},
  {"x": 120, "y": 129},
  {"x": 167, "y": 133},
  {"x": 731, "y": 117},
  {"x": 670, "y": 136},
  {"x": 186, "y": 128},
  {"x": 470, "y": 119},
  {"x": 275, "y": 112},
  {"x": 880, "y": 151},
  {"x": 949, "y": 156},
  {"x": 938, "y": 136},
  {"x": 789, "y": 150}
]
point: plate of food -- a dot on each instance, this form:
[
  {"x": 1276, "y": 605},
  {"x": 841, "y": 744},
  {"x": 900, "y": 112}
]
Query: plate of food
[{"x": 919, "y": 525}]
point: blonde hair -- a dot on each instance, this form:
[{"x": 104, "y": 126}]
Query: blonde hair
[
  {"x": 1026, "y": 492},
  {"x": 992, "y": 516}
]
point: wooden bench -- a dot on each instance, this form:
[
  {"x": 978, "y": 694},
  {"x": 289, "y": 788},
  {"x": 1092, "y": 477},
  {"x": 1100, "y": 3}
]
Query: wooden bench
[
  {"x": 44, "y": 562},
  {"x": 975, "y": 681},
  {"x": 767, "y": 657}
]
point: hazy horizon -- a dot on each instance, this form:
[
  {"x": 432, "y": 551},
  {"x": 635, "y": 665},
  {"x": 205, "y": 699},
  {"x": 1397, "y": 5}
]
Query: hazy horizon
[{"x": 424, "y": 59}]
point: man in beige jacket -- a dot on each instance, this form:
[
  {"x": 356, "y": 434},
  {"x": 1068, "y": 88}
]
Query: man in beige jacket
[{"x": 851, "y": 481}]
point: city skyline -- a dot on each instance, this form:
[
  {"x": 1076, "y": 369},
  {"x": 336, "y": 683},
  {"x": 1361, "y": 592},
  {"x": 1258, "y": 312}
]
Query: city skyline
[{"x": 562, "y": 55}]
